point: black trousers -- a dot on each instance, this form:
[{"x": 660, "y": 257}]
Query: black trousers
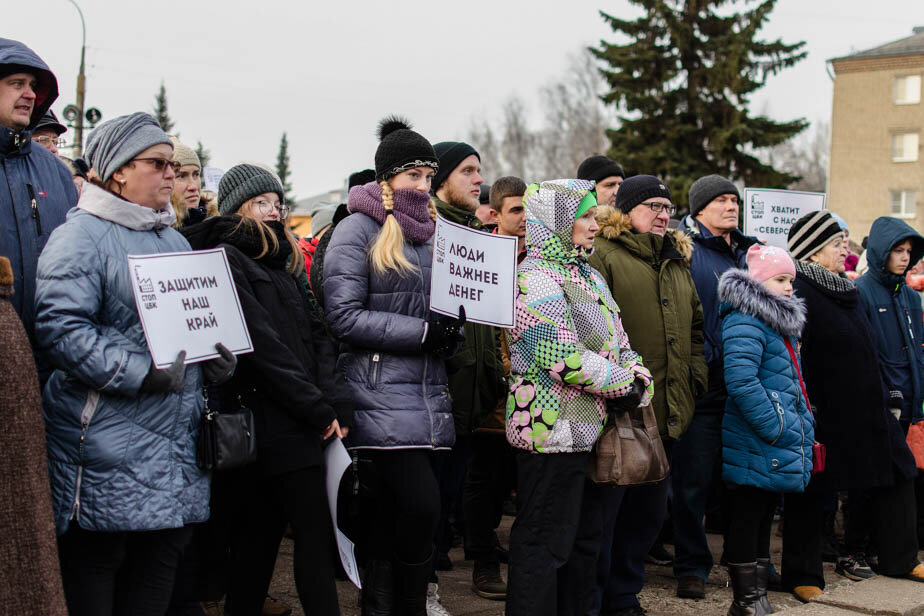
[
  {"x": 486, "y": 485},
  {"x": 265, "y": 507},
  {"x": 803, "y": 533},
  {"x": 554, "y": 544},
  {"x": 888, "y": 517},
  {"x": 121, "y": 573},
  {"x": 749, "y": 527}
]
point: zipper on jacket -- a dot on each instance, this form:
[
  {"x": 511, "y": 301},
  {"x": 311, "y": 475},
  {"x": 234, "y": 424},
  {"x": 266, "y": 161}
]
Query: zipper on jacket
[
  {"x": 423, "y": 384},
  {"x": 779, "y": 411},
  {"x": 376, "y": 364},
  {"x": 35, "y": 210},
  {"x": 801, "y": 429},
  {"x": 86, "y": 414}
]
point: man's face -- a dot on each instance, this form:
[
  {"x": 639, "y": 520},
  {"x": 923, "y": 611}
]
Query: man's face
[
  {"x": 721, "y": 215},
  {"x": 899, "y": 258},
  {"x": 463, "y": 186},
  {"x": 47, "y": 138},
  {"x": 512, "y": 218},
  {"x": 17, "y": 100},
  {"x": 606, "y": 190},
  {"x": 644, "y": 219}
]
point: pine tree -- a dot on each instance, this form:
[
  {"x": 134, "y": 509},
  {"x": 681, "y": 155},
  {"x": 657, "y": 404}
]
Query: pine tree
[
  {"x": 160, "y": 110},
  {"x": 282, "y": 169},
  {"x": 681, "y": 86},
  {"x": 205, "y": 156}
]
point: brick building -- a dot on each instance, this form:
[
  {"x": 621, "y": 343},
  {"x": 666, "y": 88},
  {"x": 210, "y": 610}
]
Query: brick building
[{"x": 877, "y": 167}]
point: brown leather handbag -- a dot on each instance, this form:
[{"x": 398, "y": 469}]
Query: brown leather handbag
[{"x": 629, "y": 452}]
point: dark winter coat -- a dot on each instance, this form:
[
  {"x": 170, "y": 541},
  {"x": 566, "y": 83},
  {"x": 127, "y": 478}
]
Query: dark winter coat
[
  {"x": 841, "y": 371},
  {"x": 894, "y": 309},
  {"x": 289, "y": 381},
  {"x": 476, "y": 372},
  {"x": 649, "y": 277},
  {"x": 712, "y": 257},
  {"x": 36, "y": 189},
  {"x": 400, "y": 393},
  {"x": 28, "y": 551},
  {"x": 120, "y": 459},
  {"x": 767, "y": 429}
]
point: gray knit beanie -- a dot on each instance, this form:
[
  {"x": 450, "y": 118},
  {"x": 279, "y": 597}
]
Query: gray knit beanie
[
  {"x": 243, "y": 182},
  {"x": 707, "y": 188},
  {"x": 114, "y": 143}
]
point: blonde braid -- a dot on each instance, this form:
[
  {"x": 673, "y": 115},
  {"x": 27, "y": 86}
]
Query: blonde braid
[
  {"x": 432, "y": 206},
  {"x": 388, "y": 196},
  {"x": 387, "y": 251}
]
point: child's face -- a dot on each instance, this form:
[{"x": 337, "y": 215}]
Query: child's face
[{"x": 781, "y": 284}]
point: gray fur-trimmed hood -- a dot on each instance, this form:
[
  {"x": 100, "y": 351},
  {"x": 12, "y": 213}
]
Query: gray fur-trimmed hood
[{"x": 738, "y": 291}]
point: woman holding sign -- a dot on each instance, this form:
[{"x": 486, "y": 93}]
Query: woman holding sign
[
  {"x": 121, "y": 433},
  {"x": 377, "y": 297},
  {"x": 289, "y": 383}
]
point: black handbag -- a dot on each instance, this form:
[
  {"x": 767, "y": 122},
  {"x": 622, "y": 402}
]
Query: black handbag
[{"x": 226, "y": 440}]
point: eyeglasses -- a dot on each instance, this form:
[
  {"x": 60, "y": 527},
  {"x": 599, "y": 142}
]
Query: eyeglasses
[
  {"x": 160, "y": 164},
  {"x": 46, "y": 141},
  {"x": 266, "y": 207},
  {"x": 657, "y": 208}
]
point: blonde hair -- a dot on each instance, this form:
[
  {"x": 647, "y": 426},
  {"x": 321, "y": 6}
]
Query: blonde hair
[
  {"x": 268, "y": 238},
  {"x": 387, "y": 251}
]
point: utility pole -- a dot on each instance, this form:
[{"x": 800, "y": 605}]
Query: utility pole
[{"x": 78, "y": 121}]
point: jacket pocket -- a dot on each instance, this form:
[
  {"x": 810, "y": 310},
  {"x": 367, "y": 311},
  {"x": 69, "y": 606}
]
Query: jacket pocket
[
  {"x": 375, "y": 368},
  {"x": 778, "y": 408}
]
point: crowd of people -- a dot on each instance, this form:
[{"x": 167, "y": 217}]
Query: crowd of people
[{"x": 777, "y": 382}]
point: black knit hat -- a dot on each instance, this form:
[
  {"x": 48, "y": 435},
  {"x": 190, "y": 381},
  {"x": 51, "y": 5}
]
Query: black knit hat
[
  {"x": 707, "y": 188},
  {"x": 597, "y": 168},
  {"x": 401, "y": 149},
  {"x": 638, "y": 188},
  {"x": 359, "y": 178},
  {"x": 810, "y": 233},
  {"x": 50, "y": 120},
  {"x": 451, "y": 154},
  {"x": 243, "y": 182}
]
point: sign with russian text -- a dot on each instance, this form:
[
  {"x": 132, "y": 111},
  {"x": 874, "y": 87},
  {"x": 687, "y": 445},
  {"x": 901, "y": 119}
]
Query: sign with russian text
[
  {"x": 336, "y": 461},
  {"x": 476, "y": 270},
  {"x": 769, "y": 212},
  {"x": 187, "y": 301}
]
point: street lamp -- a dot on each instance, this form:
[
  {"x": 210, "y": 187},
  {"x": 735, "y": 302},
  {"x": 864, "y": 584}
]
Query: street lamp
[{"x": 78, "y": 121}]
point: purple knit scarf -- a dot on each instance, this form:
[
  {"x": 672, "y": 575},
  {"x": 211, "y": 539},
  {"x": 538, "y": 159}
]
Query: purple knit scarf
[{"x": 412, "y": 210}]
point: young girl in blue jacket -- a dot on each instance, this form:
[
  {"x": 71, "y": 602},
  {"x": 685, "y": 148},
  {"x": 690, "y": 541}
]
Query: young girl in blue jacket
[{"x": 768, "y": 429}]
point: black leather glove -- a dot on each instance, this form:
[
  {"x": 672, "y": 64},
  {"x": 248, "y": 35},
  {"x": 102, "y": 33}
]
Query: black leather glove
[
  {"x": 629, "y": 401},
  {"x": 444, "y": 334},
  {"x": 220, "y": 369},
  {"x": 169, "y": 379}
]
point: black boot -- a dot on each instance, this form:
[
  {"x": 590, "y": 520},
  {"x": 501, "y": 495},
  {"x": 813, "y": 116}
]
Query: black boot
[
  {"x": 744, "y": 586},
  {"x": 411, "y": 587},
  {"x": 763, "y": 574},
  {"x": 378, "y": 596}
]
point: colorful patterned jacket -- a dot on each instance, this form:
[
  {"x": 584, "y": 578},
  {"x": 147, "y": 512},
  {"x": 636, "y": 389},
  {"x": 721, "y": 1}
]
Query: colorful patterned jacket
[{"x": 568, "y": 350}]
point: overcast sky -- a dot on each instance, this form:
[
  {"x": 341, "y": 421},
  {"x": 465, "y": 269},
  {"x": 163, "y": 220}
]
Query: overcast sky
[{"x": 238, "y": 74}]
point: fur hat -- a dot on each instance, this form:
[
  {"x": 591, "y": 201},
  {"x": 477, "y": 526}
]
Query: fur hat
[
  {"x": 400, "y": 149},
  {"x": 765, "y": 262}
]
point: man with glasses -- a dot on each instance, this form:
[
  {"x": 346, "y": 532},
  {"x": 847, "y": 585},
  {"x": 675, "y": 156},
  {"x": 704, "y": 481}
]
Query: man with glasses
[
  {"x": 38, "y": 189},
  {"x": 47, "y": 133},
  {"x": 647, "y": 268}
]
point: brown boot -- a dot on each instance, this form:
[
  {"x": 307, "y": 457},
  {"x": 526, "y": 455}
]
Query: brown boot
[
  {"x": 807, "y": 593},
  {"x": 275, "y": 607},
  {"x": 691, "y": 587}
]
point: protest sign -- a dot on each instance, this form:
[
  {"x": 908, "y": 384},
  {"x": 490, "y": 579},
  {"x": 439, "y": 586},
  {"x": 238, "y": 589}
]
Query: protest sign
[
  {"x": 187, "y": 301},
  {"x": 769, "y": 213},
  {"x": 336, "y": 461},
  {"x": 211, "y": 176},
  {"x": 474, "y": 269}
]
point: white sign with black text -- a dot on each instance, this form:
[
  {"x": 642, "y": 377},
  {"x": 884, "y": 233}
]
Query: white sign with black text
[
  {"x": 474, "y": 269},
  {"x": 769, "y": 212},
  {"x": 187, "y": 301},
  {"x": 336, "y": 461}
]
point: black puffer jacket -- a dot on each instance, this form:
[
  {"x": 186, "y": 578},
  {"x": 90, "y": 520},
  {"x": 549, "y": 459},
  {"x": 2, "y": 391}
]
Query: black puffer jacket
[{"x": 289, "y": 381}]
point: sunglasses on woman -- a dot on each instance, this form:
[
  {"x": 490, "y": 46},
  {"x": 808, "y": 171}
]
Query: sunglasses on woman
[{"x": 160, "y": 164}]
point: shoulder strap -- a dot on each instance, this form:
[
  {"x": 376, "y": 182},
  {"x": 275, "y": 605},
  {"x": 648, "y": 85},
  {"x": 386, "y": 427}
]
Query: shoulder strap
[{"x": 795, "y": 363}]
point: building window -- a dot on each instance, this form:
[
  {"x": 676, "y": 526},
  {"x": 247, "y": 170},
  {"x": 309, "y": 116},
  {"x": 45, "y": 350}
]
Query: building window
[
  {"x": 904, "y": 147},
  {"x": 902, "y": 203},
  {"x": 907, "y": 90}
]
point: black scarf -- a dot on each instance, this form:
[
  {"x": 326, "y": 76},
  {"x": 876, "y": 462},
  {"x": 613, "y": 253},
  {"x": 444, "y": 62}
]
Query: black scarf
[{"x": 244, "y": 235}]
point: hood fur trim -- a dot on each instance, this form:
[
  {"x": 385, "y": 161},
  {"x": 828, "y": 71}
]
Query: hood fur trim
[
  {"x": 614, "y": 223},
  {"x": 746, "y": 295}
]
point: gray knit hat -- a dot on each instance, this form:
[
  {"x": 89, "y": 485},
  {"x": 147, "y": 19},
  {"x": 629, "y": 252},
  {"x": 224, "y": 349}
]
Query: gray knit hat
[
  {"x": 243, "y": 182},
  {"x": 810, "y": 233},
  {"x": 322, "y": 216},
  {"x": 114, "y": 143},
  {"x": 707, "y": 188}
]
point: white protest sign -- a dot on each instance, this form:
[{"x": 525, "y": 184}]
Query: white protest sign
[
  {"x": 769, "y": 213},
  {"x": 211, "y": 176},
  {"x": 188, "y": 301},
  {"x": 474, "y": 269},
  {"x": 336, "y": 461}
]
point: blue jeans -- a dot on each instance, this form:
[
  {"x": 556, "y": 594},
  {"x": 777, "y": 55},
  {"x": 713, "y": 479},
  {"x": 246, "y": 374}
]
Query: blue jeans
[{"x": 694, "y": 458}]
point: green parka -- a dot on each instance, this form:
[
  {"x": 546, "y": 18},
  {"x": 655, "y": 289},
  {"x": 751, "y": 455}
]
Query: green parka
[
  {"x": 476, "y": 372},
  {"x": 649, "y": 277}
]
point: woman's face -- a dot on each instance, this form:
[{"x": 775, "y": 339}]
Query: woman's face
[
  {"x": 585, "y": 229},
  {"x": 899, "y": 258},
  {"x": 265, "y": 207},
  {"x": 417, "y": 178},
  {"x": 832, "y": 255},
  {"x": 781, "y": 284},
  {"x": 186, "y": 187},
  {"x": 141, "y": 182}
]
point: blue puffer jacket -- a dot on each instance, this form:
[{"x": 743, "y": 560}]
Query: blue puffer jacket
[
  {"x": 767, "y": 430},
  {"x": 36, "y": 189},
  {"x": 894, "y": 310},
  {"x": 401, "y": 394},
  {"x": 120, "y": 459}
]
